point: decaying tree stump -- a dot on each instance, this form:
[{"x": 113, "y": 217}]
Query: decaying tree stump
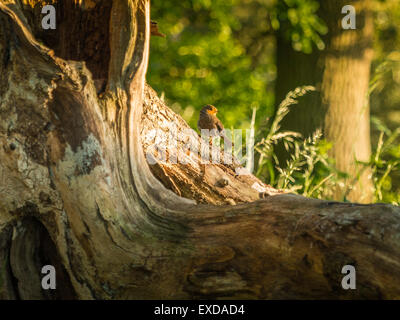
[{"x": 77, "y": 191}]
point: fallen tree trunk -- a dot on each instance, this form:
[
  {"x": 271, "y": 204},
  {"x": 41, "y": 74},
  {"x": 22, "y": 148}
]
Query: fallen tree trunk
[{"x": 77, "y": 191}]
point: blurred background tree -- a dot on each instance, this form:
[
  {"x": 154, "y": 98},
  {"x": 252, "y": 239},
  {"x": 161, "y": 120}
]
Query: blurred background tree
[{"x": 241, "y": 55}]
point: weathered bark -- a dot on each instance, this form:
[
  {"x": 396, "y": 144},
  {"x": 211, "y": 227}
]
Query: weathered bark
[
  {"x": 77, "y": 192},
  {"x": 341, "y": 74},
  {"x": 182, "y": 170}
]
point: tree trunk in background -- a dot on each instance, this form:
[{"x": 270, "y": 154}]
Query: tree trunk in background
[
  {"x": 297, "y": 69},
  {"x": 345, "y": 95},
  {"x": 342, "y": 74},
  {"x": 77, "y": 191}
]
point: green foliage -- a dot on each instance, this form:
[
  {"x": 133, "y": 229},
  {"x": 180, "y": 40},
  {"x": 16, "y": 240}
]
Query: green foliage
[
  {"x": 312, "y": 173},
  {"x": 385, "y": 164},
  {"x": 220, "y": 52},
  {"x": 309, "y": 171},
  {"x": 303, "y": 25},
  {"x": 202, "y": 62},
  {"x": 385, "y": 93}
]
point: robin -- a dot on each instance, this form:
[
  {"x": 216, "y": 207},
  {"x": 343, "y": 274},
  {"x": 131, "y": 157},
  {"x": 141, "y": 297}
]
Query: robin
[
  {"x": 154, "y": 30},
  {"x": 208, "y": 120}
]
